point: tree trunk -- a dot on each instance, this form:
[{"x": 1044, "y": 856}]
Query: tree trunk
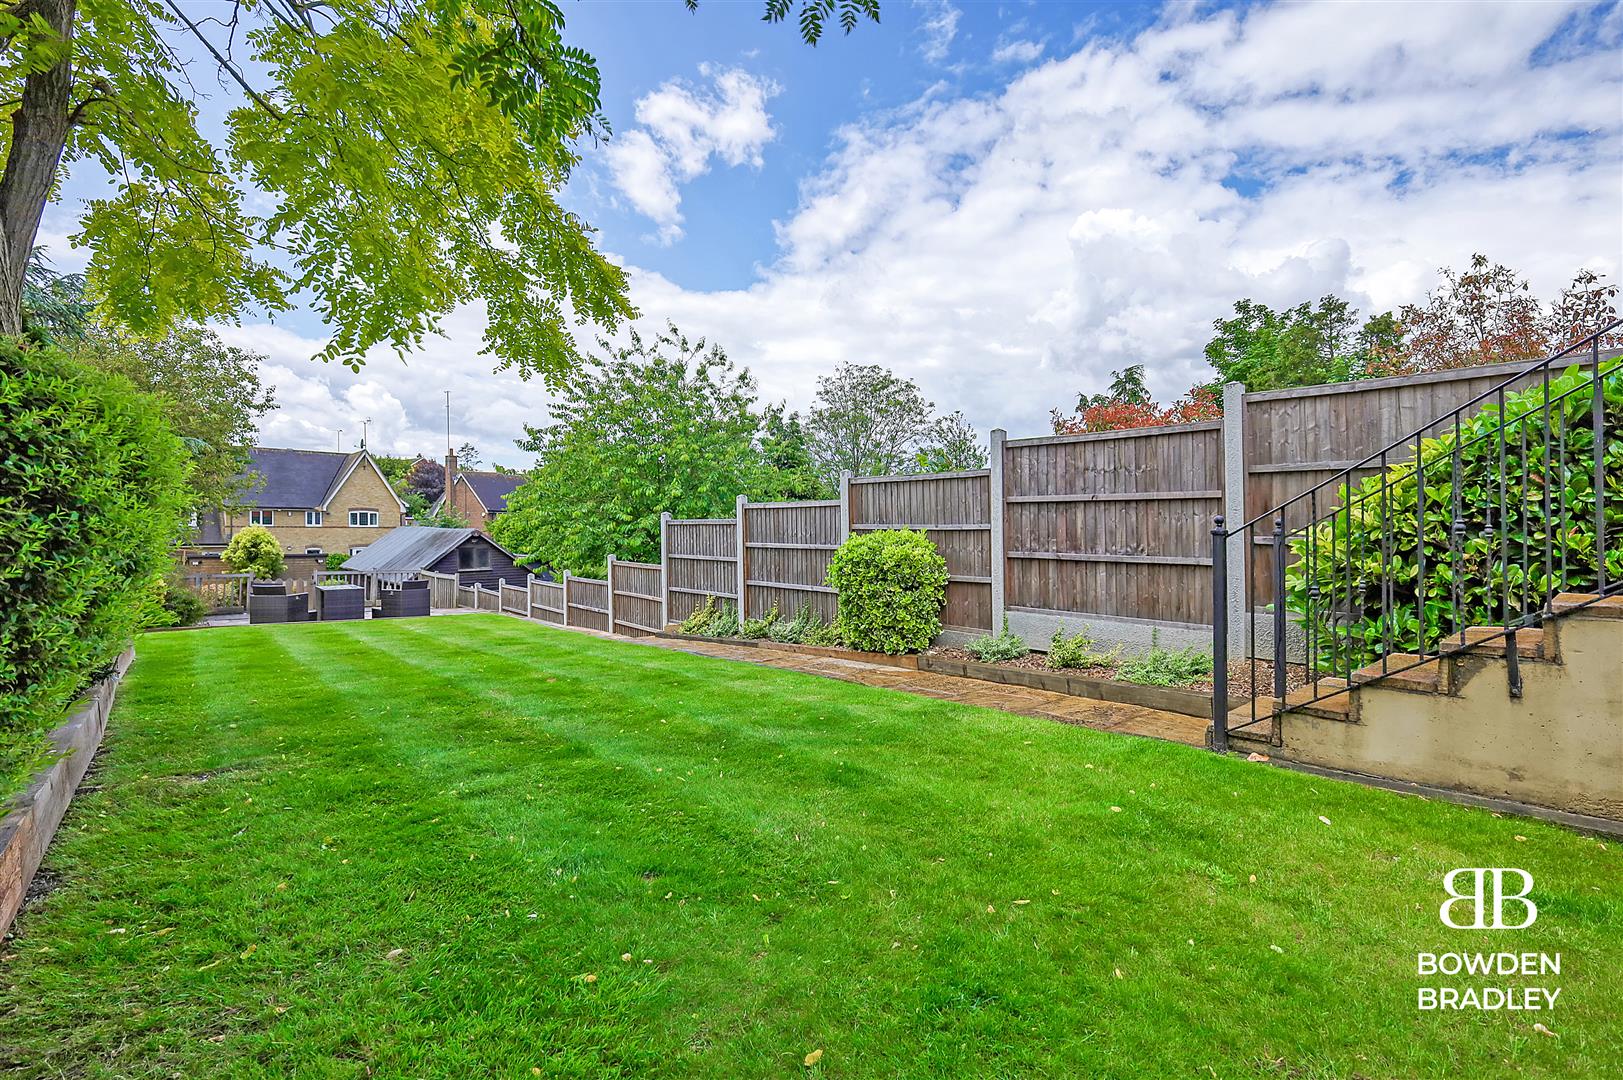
[{"x": 39, "y": 132}]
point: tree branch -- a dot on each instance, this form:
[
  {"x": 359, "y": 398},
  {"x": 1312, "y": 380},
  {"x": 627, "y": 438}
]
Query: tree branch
[{"x": 225, "y": 64}]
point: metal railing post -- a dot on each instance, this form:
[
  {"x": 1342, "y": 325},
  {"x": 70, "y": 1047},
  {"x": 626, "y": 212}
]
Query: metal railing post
[
  {"x": 1598, "y": 419},
  {"x": 1220, "y": 637},
  {"x": 1279, "y": 610}
]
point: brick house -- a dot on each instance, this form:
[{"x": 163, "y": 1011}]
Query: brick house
[
  {"x": 476, "y": 497},
  {"x": 313, "y": 501}
]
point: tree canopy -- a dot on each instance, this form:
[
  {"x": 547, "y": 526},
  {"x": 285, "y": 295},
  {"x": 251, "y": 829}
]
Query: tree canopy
[
  {"x": 383, "y": 162},
  {"x": 869, "y": 421},
  {"x": 661, "y": 424}
]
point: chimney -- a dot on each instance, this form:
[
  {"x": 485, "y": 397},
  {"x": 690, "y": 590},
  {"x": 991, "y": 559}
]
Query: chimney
[{"x": 450, "y": 476}]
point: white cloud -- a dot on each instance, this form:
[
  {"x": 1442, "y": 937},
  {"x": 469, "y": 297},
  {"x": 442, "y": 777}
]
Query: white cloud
[
  {"x": 681, "y": 128},
  {"x": 939, "y": 27},
  {"x": 1102, "y": 208},
  {"x": 1017, "y": 52}
]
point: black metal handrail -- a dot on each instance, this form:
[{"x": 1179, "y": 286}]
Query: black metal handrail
[{"x": 1331, "y": 623}]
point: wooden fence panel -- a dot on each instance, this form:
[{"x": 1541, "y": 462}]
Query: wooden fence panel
[
  {"x": 1297, "y": 439},
  {"x": 467, "y": 596},
  {"x": 547, "y": 601},
  {"x": 588, "y": 601},
  {"x": 701, "y": 559},
  {"x": 787, "y": 547},
  {"x": 514, "y": 599},
  {"x": 487, "y": 599},
  {"x": 441, "y": 589},
  {"x": 955, "y": 511},
  {"x": 1113, "y": 524},
  {"x": 637, "y": 604}
]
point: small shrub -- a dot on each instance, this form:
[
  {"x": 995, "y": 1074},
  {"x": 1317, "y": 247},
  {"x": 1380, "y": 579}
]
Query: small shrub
[
  {"x": 826, "y": 634},
  {"x": 255, "y": 551},
  {"x": 755, "y": 629},
  {"x": 1167, "y": 667},
  {"x": 807, "y": 621},
  {"x": 991, "y": 648},
  {"x": 336, "y": 560},
  {"x": 176, "y": 604},
  {"x": 713, "y": 618},
  {"x": 892, "y": 585},
  {"x": 1076, "y": 651}
]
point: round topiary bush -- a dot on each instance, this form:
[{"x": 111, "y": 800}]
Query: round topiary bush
[
  {"x": 255, "y": 551},
  {"x": 892, "y": 585},
  {"x": 1334, "y": 584}
]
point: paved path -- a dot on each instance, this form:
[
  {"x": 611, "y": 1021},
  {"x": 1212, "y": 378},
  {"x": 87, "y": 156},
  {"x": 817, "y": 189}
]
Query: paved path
[{"x": 1084, "y": 712}]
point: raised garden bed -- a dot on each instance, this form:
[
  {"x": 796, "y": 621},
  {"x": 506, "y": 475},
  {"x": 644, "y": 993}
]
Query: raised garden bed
[
  {"x": 1086, "y": 682},
  {"x": 909, "y": 661},
  {"x": 28, "y": 823}
]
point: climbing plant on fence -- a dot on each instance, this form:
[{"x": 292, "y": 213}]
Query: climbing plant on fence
[{"x": 1334, "y": 585}]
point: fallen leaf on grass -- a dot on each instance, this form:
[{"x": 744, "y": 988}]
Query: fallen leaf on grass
[
  {"x": 1523, "y": 839},
  {"x": 1118, "y": 973},
  {"x": 625, "y": 958},
  {"x": 1115, "y": 809},
  {"x": 394, "y": 954},
  {"x": 814, "y": 1057},
  {"x": 588, "y": 978},
  {"x": 1540, "y": 1028},
  {"x": 1022, "y": 901},
  {"x": 249, "y": 951},
  {"x": 1276, "y": 948},
  {"x": 1253, "y": 756},
  {"x": 1324, "y": 819}
]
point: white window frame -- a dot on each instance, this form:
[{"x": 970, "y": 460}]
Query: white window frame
[
  {"x": 363, "y": 515},
  {"x": 356, "y": 550},
  {"x": 314, "y": 551},
  {"x": 266, "y": 518},
  {"x": 314, "y": 519}
]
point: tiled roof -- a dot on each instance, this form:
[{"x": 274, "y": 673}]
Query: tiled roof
[
  {"x": 492, "y": 487},
  {"x": 292, "y": 479}
]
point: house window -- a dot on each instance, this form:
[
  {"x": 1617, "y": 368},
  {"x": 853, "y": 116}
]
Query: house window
[
  {"x": 313, "y": 518},
  {"x": 356, "y": 550},
  {"x": 313, "y": 551},
  {"x": 363, "y": 519},
  {"x": 473, "y": 558},
  {"x": 261, "y": 517}
]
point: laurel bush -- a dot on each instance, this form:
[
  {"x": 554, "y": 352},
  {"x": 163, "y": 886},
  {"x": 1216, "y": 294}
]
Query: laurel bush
[
  {"x": 892, "y": 584},
  {"x": 1376, "y": 537}
]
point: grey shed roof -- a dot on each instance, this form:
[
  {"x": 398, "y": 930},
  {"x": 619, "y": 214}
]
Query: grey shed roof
[
  {"x": 293, "y": 479},
  {"x": 412, "y": 548},
  {"x": 492, "y": 487}
]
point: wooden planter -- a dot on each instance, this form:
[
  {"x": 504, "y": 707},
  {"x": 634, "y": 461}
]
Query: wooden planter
[{"x": 1167, "y": 698}]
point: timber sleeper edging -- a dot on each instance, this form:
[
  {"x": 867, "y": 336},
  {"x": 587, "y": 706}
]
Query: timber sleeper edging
[
  {"x": 33, "y": 817},
  {"x": 1196, "y": 703},
  {"x": 909, "y": 661}
]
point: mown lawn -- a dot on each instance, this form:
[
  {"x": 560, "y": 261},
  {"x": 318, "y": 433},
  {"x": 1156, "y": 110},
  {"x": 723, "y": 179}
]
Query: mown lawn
[{"x": 477, "y": 847}]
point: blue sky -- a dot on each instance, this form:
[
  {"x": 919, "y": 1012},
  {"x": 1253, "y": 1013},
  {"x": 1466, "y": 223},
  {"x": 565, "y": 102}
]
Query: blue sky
[{"x": 1005, "y": 202}]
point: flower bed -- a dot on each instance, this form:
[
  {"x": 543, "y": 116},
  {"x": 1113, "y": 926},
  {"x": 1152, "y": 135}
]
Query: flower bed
[
  {"x": 1096, "y": 681},
  {"x": 909, "y": 660}
]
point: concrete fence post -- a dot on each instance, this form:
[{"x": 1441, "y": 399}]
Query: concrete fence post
[
  {"x": 664, "y": 569},
  {"x": 845, "y": 505},
  {"x": 999, "y": 579},
  {"x": 743, "y": 560},
  {"x": 566, "y": 597},
  {"x": 609, "y": 577},
  {"x": 1234, "y": 479}
]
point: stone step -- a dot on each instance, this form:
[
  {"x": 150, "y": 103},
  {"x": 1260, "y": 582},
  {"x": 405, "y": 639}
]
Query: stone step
[
  {"x": 1490, "y": 641},
  {"x": 1424, "y": 678},
  {"x": 1572, "y": 604},
  {"x": 1303, "y": 700}
]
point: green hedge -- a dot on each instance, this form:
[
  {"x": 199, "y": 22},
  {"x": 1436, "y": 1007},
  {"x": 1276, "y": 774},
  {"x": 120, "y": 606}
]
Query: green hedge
[
  {"x": 1347, "y": 623},
  {"x": 892, "y": 585},
  {"x": 92, "y": 497}
]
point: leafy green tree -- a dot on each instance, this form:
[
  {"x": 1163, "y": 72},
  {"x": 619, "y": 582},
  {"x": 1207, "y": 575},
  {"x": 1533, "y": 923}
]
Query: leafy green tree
[
  {"x": 210, "y": 393},
  {"x": 787, "y": 453},
  {"x": 54, "y": 306},
  {"x": 867, "y": 421},
  {"x": 1301, "y": 346},
  {"x": 953, "y": 446},
  {"x": 254, "y": 551},
  {"x": 1127, "y": 387},
  {"x": 656, "y": 425},
  {"x": 413, "y": 152}
]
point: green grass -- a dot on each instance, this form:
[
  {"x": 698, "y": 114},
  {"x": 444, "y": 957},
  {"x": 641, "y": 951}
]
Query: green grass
[{"x": 400, "y": 848}]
